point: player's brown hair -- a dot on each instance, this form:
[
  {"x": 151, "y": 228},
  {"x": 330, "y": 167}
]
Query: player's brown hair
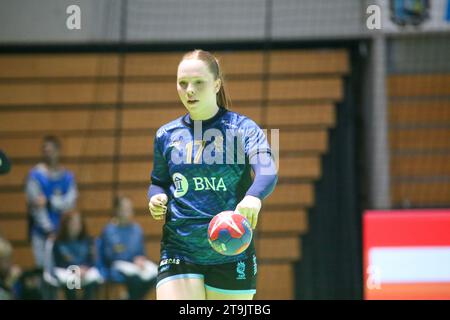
[
  {"x": 222, "y": 97},
  {"x": 53, "y": 140},
  {"x": 63, "y": 233}
]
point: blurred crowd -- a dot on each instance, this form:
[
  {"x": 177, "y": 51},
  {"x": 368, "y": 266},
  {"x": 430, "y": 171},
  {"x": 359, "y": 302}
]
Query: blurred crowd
[{"x": 69, "y": 262}]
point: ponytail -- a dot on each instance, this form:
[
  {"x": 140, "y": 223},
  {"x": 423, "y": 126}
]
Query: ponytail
[{"x": 223, "y": 99}]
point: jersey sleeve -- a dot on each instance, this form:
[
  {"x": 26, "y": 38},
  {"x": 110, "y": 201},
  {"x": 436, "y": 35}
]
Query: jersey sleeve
[
  {"x": 160, "y": 174},
  {"x": 39, "y": 216},
  {"x": 265, "y": 169},
  {"x": 266, "y": 177},
  {"x": 254, "y": 140}
]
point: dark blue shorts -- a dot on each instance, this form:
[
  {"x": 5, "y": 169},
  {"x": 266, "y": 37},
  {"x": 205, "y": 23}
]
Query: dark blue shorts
[{"x": 233, "y": 278}]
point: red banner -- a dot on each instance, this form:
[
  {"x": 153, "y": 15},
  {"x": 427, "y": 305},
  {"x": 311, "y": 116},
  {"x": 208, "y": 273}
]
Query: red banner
[{"x": 406, "y": 254}]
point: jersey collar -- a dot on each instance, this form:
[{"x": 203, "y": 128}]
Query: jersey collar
[{"x": 189, "y": 122}]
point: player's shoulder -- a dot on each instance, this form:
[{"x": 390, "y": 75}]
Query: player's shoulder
[
  {"x": 39, "y": 170},
  {"x": 136, "y": 227},
  {"x": 109, "y": 228},
  {"x": 236, "y": 120},
  {"x": 69, "y": 174},
  {"x": 170, "y": 126}
]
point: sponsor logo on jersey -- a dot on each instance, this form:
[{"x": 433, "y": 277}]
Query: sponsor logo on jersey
[
  {"x": 176, "y": 144},
  {"x": 229, "y": 125},
  {"x": 204, "y": 183},
  {"x": 199, "y": 183},
  {"x": 181, "y": 185}
]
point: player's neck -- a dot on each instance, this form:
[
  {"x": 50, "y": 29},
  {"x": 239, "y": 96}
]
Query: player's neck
[
  {"x": 204, "y": 114},
  {"x": 52, "y": 166},
  {"x": 122, "y": 222}
]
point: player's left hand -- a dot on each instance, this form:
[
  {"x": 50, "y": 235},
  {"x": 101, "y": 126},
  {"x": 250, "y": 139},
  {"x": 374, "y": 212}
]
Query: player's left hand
[{"x": 249, "y": 207}]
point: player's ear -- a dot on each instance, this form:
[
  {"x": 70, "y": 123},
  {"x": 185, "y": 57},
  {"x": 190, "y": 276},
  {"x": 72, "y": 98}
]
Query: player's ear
[{"x": 217, "y": 85}]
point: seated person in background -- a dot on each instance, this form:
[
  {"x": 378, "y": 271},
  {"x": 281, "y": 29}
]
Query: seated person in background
[
  {"x": 73, "y": 258},
  {"x": 30, "y": 285},
  {"x": 9, "y": 273},
  {"x": 122, "y": 252}
]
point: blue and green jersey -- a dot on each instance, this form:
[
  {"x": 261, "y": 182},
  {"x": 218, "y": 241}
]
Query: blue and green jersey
[{"x": 205, "y": 168}]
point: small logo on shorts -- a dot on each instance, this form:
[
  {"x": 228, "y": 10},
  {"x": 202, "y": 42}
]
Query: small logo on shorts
[
  {"x": 164, "y": 268},
  {"x": 169, "y": 261},
  {"x": 255, "y": 265},
  {"x": 240, "y": 269}
]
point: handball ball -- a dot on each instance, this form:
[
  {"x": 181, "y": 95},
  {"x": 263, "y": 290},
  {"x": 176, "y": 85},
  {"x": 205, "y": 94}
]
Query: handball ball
[{"x": 229, "y": 233}]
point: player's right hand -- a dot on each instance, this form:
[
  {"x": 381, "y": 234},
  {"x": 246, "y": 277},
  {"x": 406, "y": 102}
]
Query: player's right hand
[{"x": 157, "y": 206}]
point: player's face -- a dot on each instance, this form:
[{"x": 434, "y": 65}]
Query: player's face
[
  {"x": 196, "y": 85},
  {"x": 75, "y": 226},
  {"x": 50, "y": 152},
  {"x": 125, "y": 211}
]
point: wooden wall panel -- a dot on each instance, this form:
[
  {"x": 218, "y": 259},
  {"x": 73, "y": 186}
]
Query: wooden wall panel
[
  {"x": 72, "y": 147},
  {"x": 275, "y": 282},
  {"x": 421, "y": 194},
  {"x": 58, "y": 65},
  {"x": 301, "y": 194},
  {"x": 301, "y": 115},
  {"x": 424, "y": 139},
  {"x": 60, "y": 121},
  {"x": 309, "y": 62},
  {"x": 419, "y": 85},
  {"x": 86, "y": 92},
  {"x": 298, "y": 89},
  {"x": 419, "y": 112}
]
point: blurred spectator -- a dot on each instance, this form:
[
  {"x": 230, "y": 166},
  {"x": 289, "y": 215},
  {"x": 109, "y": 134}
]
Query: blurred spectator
[
  {"x": 122, "y": 252},
  {"x": 9, "y": 273},
  {"x": 50, "y": 190},
  {"x": 73, "y": 256}
]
